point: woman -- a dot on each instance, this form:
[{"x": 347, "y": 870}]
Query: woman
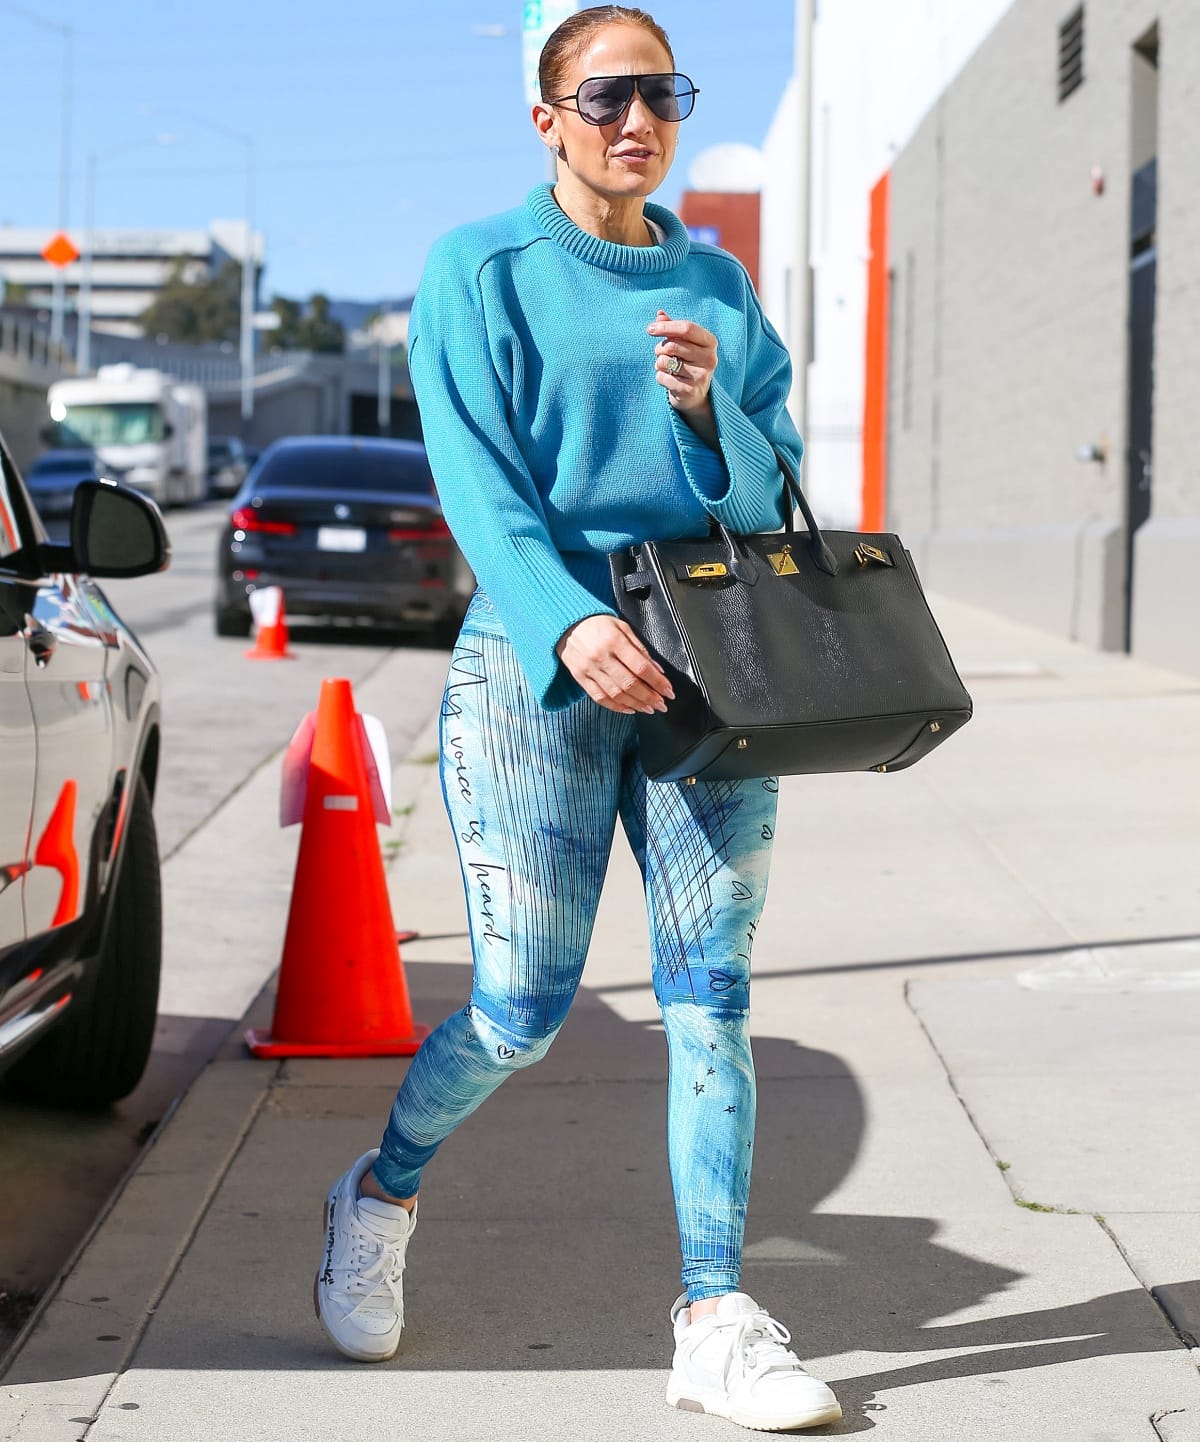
[{"x": 565, "y": 357}]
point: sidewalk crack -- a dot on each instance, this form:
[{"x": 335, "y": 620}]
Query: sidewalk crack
[{"x": 1185, "y": 1338}]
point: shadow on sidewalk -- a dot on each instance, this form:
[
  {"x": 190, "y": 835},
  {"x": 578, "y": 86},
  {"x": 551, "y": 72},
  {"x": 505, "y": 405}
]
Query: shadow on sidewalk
[{"x": 547, "y": 1238}]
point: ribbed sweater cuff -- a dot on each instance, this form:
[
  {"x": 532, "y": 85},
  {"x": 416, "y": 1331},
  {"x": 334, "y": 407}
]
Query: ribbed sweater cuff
[
  {"x": 731, "y": 485},
  {"x": 704, "y": 467},
  {"x": 542, "y": 601}
]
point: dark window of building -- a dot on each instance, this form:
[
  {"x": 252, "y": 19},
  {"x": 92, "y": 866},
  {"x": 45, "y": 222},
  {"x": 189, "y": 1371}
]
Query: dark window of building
[{"x": 1070, "y": 55}]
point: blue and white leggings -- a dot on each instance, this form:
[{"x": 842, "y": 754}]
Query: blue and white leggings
[{"x": 533, "y": 797}]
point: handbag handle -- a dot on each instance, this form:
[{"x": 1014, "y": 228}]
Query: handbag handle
[{"x": 823, "y": 557}]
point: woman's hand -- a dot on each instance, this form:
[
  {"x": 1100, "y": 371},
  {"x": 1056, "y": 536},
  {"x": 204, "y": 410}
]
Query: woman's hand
[
  {"x": 696, "y": 349},
  {"x": 605, "y": 656}
]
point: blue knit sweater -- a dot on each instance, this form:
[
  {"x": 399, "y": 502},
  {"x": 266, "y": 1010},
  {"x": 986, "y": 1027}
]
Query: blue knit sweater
[{"x": 550, "y": 440}]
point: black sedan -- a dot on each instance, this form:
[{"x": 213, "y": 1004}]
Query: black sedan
[
  {"x": 80, "y": 927},
  {"x": 348, "y": 527}
]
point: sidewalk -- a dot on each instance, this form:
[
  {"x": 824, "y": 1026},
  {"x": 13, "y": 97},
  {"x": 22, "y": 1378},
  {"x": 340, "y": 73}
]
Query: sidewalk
[{"x": 977, "y": 1177}]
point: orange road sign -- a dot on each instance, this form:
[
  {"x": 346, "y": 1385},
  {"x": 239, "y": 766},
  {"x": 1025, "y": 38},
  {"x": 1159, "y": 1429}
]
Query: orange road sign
[{"x": 60, "y": 250}]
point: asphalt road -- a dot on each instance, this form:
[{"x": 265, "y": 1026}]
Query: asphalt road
[{"x": 224, "y": 718}]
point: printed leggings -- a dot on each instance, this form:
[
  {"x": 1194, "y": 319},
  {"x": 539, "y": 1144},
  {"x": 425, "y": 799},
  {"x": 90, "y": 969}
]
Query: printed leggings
[{"x": 533, "y": 797}]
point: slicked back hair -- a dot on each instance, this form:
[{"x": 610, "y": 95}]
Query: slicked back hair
[{"x": 570, "y": 40}]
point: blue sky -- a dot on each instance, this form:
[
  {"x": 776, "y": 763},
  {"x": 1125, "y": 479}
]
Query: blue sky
[{"x": 378, "y": 126}]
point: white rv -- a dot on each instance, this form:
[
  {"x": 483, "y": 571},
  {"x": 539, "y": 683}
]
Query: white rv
[{"x": 149, "y": 430}]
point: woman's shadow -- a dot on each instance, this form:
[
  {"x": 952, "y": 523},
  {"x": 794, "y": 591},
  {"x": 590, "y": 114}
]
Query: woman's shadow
[
  {"x": 548, "y": 1239},
  {"x": 575, "y": 1150}
]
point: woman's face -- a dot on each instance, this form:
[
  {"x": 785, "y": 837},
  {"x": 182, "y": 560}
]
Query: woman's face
[{"x": 630, "y": 157}]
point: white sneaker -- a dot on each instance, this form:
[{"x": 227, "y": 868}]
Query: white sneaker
[
  {"x": 358, "y": 1295},
  {"x": 735, "y": 1364}
]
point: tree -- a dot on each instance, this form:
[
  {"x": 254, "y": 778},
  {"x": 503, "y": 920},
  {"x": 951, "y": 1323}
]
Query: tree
[
  {"x": 308, "y": 327},
  {"x": 286, "y": 334},
  {"x": 319, "y": 331},
  {"x": 197, "y": 311}
]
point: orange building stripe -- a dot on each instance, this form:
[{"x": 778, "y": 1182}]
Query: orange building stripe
[{"x": 874, "y": 443}]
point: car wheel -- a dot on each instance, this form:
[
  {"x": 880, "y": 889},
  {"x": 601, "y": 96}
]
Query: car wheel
[
  {"x": 232, "y": 621},
  {"x": 98, "y": 1052}
]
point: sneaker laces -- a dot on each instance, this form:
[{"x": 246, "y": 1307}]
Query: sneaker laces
[
  {"x": 759, "y": 1343},
  {"x": 378, "y": 1267}
]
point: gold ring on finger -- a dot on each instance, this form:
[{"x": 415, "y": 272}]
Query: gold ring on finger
[{"x": 674, "y": 365}]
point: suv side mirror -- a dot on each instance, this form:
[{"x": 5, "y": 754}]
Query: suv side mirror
[{"x": 116, "y": 531}]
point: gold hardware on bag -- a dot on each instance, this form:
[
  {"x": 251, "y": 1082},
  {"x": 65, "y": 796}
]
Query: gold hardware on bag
[
  {"x": 935, "y": 725},
  {"x": 707, "y": 569},
  {"x": 878, "y": 768},
  {"x": 864, "y": 553},
  {"x": 782, "y": 563},
  {"x": 742, "y": 743},
  {"x": 689, "y": 781}
]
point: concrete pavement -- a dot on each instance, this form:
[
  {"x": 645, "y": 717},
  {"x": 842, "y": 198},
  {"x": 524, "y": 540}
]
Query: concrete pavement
[{"x": 977, "y": 1175}]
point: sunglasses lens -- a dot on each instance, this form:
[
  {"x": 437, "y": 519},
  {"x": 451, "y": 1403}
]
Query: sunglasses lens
[
  {"x": 605, "y": 99},
  {"x": 661, "y": 94}
]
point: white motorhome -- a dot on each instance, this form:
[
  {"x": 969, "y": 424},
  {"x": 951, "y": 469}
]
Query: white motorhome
[{"x": 149, "y": 430}]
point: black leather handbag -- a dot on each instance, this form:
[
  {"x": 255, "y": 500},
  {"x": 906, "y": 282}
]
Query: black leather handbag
[{"x": 789, "y": 653}]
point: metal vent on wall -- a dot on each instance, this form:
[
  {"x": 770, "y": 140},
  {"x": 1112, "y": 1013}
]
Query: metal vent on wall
[{"x": 1070, "y": 55}]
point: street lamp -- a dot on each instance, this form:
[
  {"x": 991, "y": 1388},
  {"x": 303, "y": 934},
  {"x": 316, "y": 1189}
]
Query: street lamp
[
  {"x": 248, "y": 259},
  {"x": 65, "y": 34},
  {"x": 83, "y": 340}
]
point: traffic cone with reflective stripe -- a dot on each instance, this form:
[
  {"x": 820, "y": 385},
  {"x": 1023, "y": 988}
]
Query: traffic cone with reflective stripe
[
  {"x": 342, "y": 990},
  {"x": 270, "y": 626}
]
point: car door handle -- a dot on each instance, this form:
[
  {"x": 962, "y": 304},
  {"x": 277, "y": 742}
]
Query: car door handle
[{"x": 41, "y": 642}]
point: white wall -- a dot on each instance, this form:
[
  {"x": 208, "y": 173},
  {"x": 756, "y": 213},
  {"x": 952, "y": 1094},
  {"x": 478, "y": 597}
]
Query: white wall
[{"x": 878, "y": 66}]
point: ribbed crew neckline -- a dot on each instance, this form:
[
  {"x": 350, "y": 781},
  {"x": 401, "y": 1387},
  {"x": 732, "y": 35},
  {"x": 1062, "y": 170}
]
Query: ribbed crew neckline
[{"x": 607, "y": 254}]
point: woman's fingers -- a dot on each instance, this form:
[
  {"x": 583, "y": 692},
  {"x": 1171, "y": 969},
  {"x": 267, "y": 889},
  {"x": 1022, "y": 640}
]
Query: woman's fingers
[
  {"x": 609, "y": 661},
  {"x": 685, "y": 360}
]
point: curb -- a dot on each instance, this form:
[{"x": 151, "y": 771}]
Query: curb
[{"x": 86, "y": 1329}]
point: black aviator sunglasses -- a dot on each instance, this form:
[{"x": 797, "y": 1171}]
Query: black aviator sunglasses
[{"x": 605, "y": 98}]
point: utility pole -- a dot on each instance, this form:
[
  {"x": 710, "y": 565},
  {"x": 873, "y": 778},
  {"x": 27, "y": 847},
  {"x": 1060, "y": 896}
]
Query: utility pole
[
  {"x": 539, "y": 19},
  {"x": 249, "y": 264},
  {"x": 64, "y": 33},
  {"x": 249, "y": 270},
  {"x": 57, "y": 320},
  {"x": 83, "y": 311},
  {"x": 800, "y": 299},
  {"x": 384, "y": 413}
]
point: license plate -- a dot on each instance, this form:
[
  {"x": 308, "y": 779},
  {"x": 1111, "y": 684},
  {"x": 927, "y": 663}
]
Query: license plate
[{"x": 341, "y": 538}]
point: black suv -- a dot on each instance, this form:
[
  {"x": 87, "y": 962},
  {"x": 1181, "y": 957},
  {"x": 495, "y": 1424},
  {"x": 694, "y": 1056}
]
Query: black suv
[{"x": 80, "y": 912}]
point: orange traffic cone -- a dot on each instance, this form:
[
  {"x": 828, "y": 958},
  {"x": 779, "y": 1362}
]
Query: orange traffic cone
[
  {"x": 342, "y": 990},
  {"x": 270, "y": 626}
]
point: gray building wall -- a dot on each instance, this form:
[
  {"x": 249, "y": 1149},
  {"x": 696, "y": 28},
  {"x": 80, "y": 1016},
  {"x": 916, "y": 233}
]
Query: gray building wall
[{"x": 1008, "y": 326}]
